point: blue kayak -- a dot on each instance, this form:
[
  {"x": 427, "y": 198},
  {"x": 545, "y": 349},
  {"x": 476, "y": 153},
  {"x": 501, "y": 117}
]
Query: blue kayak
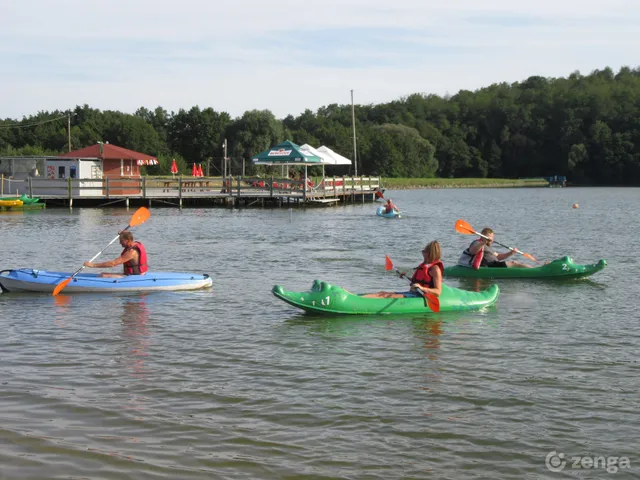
[
  {"x": 392, "y": 214},
  {"x": 31, "y": 280}
]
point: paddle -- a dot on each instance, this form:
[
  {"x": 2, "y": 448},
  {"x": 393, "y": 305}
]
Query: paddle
[
  {"x": 466, "y": 229},
  {"x": 431, "y": 300},
  {"x": 139, "y": 217}
]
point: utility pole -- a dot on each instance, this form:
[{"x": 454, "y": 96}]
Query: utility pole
[
  {"x": 353, "y": 121},
  {"x": 225, "y": 158},
  {"x": 69, "y": 129}
]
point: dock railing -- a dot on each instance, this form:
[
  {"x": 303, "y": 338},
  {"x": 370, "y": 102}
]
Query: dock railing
[{"x": 194, "y": 187}]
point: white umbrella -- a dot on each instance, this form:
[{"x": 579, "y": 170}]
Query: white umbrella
[
  {"x": 336, "y": 157},
  {"x": 328, "y": 156}
]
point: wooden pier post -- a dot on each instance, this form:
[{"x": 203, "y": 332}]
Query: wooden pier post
[{"x": 70, "y": 193}]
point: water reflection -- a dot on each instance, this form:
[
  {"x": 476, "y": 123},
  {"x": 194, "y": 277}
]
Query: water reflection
[
  {"x": 62, "y": 304},
  {"x": 432, "y": 331},
  {"x": 136, "y": 334}
]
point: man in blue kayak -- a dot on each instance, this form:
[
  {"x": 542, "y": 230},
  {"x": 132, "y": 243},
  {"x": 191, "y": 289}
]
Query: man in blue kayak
[
  {"x": 390, "y": 207},
  {"x": 133, "y": 258}
]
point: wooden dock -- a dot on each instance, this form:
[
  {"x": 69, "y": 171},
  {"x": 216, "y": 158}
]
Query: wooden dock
[{"x": 200, "y": 191}]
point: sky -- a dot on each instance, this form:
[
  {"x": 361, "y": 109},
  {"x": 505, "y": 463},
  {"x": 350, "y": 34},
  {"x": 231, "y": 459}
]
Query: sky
[{"x": 288, "y": 56}]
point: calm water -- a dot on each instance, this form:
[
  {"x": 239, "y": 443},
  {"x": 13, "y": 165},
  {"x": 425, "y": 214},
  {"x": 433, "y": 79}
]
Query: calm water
[{"x": 233, "y": 383}]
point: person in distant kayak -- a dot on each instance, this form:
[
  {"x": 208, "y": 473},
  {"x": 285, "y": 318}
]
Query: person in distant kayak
[
  {"x": 390, "y": 207},
  {"x": 426, "y": 279},
  {"x": 490, "y": 258},
  {"x": 133, "y": 258}
]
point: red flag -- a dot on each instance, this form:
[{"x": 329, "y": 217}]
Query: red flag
[{"x": 174, "y": 167}]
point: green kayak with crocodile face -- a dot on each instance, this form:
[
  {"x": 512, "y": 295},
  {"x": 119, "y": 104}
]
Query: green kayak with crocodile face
[
  {"x": 563, "y": 267},
  {"x": 328, "y": 299}
]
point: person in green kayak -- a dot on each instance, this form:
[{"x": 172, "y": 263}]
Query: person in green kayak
[
  {"x": 133, "y": 258},
  {"x": 426, "y": 279},
  {"x": 481, "y": 254}
]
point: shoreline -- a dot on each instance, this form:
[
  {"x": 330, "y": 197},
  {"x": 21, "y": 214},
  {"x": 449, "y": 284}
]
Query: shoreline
[{"x": 427, "y": 183}]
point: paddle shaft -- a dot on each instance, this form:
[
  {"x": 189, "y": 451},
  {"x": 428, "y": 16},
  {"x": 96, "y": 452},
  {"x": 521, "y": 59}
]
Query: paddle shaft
[
  {"x": 501, "y": 244},
  {"x": 409, "y": 280},
  {"x": 98, "y": 254}
]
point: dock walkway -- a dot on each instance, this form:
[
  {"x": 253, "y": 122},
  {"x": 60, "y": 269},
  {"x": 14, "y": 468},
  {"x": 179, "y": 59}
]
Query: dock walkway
[{"x": 200, "y": 191}]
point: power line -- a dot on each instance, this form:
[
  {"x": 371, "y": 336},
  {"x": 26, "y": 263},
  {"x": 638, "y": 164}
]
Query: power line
[{"x": 22, "y": 125}]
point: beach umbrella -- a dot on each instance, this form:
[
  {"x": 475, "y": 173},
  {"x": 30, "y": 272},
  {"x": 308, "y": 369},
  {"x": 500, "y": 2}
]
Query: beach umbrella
[
  {"x": 286, "y": 153},
  {"x": 174, "y": 167},
  {"x": 200, "y": 174},
  {"x": 194, "y": 170}
]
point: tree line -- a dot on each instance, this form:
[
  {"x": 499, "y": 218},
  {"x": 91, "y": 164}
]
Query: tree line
[{"x": 585, "y": 127}]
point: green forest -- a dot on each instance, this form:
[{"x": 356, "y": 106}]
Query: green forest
[{"x": 585, "y": 127}]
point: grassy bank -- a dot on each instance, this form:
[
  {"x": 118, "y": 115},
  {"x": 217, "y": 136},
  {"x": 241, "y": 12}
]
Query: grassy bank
[{"x": 408, "y": 183}]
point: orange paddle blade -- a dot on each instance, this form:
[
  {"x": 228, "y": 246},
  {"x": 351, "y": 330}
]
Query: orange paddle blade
[
  {"x": 433, "y": 302},
  {"x": 388, "y": 264},
  {"x": 464, "y": 227},
  {"x": 528, "y": 255},
  {"x": 61, "y": 286},
  {"x": 139, "y": 217}
]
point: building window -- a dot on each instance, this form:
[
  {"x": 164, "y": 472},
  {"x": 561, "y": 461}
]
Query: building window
[{"x": 61, "y": 171}]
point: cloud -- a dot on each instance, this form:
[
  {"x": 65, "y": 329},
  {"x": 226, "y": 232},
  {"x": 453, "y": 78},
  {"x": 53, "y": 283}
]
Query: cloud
[{"x": 288, "y": 56}]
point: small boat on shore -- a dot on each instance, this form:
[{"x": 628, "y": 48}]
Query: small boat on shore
[
  {"x": 24, "y": 198},
  {"x": 32, "y": 280},
  {"x": 11, "y": 203}
]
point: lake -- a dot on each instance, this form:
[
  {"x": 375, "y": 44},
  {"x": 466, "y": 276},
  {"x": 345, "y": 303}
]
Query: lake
[{"x": 233, "y": 383}]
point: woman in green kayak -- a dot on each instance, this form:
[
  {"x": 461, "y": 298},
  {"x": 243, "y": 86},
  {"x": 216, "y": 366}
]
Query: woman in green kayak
[
  {"x": 426, "y": 279},
  {"x": 481, "y": 249}
]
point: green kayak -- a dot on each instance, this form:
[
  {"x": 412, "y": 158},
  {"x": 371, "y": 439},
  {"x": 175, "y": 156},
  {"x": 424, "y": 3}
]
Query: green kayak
[
  {"x": 329, "y": 299},
  {"x": 561, "y": 268},
  {"x": 26, "y": 200}
]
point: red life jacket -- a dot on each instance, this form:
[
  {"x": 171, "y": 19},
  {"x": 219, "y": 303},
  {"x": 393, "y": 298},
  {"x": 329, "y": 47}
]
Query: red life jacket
[
  {"x": 422, "y": 276},
  {"x": 141, "y": 267}
]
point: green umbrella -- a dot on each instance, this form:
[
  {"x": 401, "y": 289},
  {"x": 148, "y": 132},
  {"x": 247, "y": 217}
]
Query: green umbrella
[{"x": 286, "y": 153}]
